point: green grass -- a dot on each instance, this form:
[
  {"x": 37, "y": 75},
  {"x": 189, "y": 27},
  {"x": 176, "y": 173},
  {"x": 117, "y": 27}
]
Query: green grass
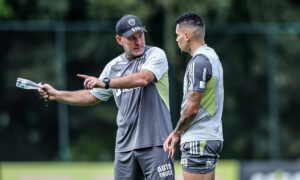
[
  {"x": 68, "y": 171},
  {"x": 226, "y": 169}
]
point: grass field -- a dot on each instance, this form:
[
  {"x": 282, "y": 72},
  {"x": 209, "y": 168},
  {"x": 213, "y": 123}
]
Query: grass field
[{"x": 226, "y": 169}]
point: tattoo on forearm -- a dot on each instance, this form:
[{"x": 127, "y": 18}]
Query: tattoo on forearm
[
  {"x": 180, "y": 126},
  {"x": 192, "y": 97},
  {"x": 187, "y": 117}
]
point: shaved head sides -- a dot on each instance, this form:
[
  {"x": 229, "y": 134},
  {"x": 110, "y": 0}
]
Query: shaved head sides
[
  {"x": 192, "y": 21},
  {"x": 190, "y": 18}
]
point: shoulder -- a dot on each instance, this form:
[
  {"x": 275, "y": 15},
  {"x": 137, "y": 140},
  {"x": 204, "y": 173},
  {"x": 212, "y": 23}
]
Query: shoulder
[
  {"x": 115, "y": 60},
  {"x": 154, "y": 50},
  {"x": 200, "y": 63},
  {"x": 200, "y": 59}
]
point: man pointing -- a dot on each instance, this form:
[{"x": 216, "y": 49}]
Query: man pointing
[{"x": 138, "y": 80}]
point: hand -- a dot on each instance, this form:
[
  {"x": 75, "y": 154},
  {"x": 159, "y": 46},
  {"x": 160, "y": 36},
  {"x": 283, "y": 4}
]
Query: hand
[
  {"x": 91, "y": 82},
  {"x": 167, "y": 142},
  {"x": 47, "y": 91},
  {"x": 171, "y": 144}
]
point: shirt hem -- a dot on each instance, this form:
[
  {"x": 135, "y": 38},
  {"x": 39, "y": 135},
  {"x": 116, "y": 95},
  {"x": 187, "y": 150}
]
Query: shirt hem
[
  {"x": 139, "y": 147},
  {"x": 189, "y": 140}
]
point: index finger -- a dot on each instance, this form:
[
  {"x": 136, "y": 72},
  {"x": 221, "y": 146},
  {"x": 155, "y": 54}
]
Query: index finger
[
  {"x": 171, "y": 154},
  {"x": 166, "y": 148},
  {"x": 83, "y": 76}
]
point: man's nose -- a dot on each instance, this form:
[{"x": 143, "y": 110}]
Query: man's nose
[{"x": 138, "y": 41}]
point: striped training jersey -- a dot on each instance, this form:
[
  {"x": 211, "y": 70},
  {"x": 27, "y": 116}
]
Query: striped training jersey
[
  {"x": 143, "y": 118},
  {"x": 204, "y": 73}
]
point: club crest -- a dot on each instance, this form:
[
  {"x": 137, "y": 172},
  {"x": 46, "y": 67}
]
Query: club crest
[{"x": 131, "y": 22}]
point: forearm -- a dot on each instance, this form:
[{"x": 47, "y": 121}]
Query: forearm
[
  {"x": 189, "y": 112},
  {"x": 78, "y": 98},
  {"x": 141, "y": 78},
  {"x": 184, "y": 122}
]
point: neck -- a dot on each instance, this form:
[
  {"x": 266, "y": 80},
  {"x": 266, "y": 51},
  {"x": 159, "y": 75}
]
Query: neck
[{"x": 195, "y": 45}]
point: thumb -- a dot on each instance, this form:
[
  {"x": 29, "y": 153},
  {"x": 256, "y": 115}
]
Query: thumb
[{"x": 41, "y": 85}]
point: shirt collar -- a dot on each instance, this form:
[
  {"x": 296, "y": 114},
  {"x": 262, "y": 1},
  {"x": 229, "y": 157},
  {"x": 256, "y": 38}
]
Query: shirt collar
[{"x": 199, "y": 49}]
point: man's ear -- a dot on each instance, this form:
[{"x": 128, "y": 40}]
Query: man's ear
[
  {"x": 187, "y": 36},
  {"x": 119, "y": 40}
]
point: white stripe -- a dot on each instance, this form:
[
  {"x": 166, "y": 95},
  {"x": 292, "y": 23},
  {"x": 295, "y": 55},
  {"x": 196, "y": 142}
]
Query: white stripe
[
  {"x": 202, "y": 84},
  {"x": 204, "y": 74},
  {"x": 135, "y": 29},
  {"x": 193, "y": 74}
]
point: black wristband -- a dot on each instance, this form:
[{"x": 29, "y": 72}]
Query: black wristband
[{"x": 106, "y": 82}]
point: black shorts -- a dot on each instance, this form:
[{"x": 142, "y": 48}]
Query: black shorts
[
  {"x": 200, "y": 156},
  {"x": 150, "y": 163}
]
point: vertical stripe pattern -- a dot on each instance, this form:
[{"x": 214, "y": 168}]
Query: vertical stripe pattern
[
  {"x": 191, "y": 75},
  {"x": 193, "y": 147},
  {"x": 197, "y": 147}
]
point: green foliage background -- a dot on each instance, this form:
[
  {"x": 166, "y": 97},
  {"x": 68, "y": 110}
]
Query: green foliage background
[{"x": 28, "y": 130}]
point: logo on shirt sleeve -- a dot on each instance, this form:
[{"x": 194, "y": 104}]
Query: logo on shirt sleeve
[{"x": 202, "y": 84}]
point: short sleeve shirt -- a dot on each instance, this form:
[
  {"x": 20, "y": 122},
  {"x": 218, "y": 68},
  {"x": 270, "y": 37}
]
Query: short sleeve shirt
[
  {"x": 143, "y": 112},
  {"x": 204, "y": 73},
  {"x": 199, "y": 71}
]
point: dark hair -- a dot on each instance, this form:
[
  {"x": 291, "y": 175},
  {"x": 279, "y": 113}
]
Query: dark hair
[{"x": 190, "y": 18}]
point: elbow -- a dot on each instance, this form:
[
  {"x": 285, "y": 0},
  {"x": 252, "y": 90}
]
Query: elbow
[
  {"x": 194, "y": 112},
  {"x": 144, "y": 77},
  {"x": 92, "y": 103},
  {"x": 143, "y": 82}
]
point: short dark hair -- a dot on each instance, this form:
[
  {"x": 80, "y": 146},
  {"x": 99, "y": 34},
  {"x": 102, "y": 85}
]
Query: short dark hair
[{"x": 190, "y": 18}]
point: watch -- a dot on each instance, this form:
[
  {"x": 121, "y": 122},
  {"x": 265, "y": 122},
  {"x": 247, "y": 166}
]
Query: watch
[{"x": 106, "y": 82}]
